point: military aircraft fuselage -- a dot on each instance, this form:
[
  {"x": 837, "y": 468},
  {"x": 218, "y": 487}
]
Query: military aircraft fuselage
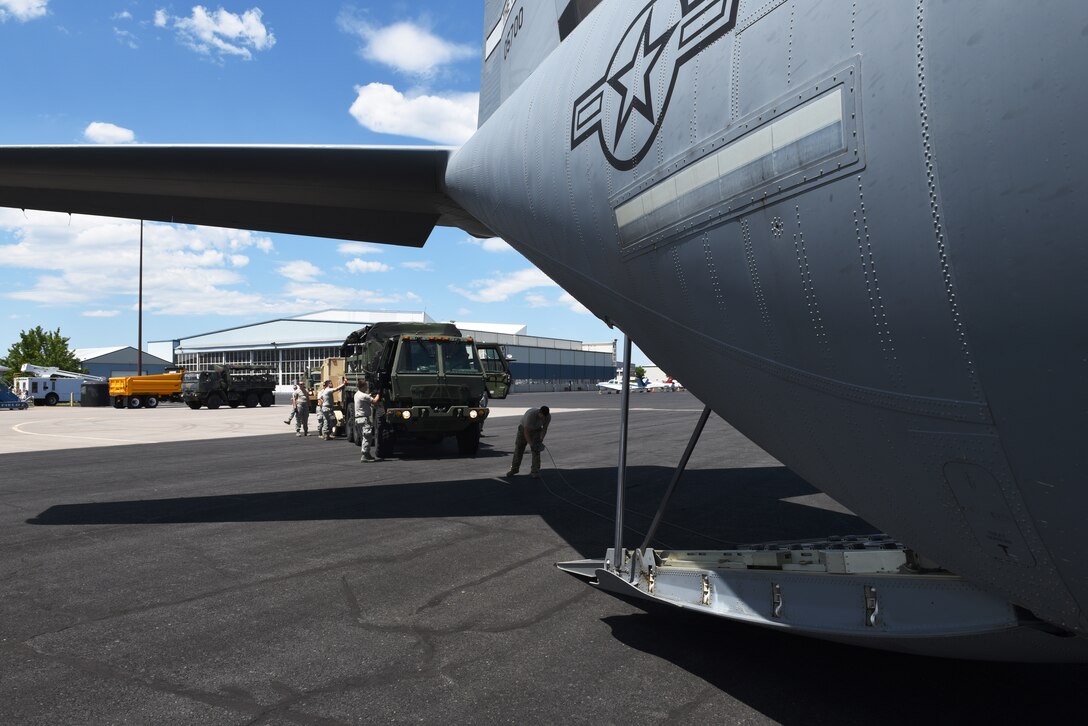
[{"x": 850, "y": 228}]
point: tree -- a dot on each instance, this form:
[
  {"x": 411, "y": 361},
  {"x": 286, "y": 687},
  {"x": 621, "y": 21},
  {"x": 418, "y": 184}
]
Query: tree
[
  {"x": 640, "y": 372},
  {"x": 40, "y": 348}
]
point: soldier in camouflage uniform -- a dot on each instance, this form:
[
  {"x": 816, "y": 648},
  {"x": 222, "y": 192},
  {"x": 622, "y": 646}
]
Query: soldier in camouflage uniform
[
  {"x": 300, "y": 400},
  {"x": 364, "y": 420},
  {"x": 328, "y": 416}
]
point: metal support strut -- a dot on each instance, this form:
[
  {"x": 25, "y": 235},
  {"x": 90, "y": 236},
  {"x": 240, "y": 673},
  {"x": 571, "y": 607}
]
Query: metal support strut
[
  {"x": 676, "y": 477},
  {"x": 621, "y": 475}
]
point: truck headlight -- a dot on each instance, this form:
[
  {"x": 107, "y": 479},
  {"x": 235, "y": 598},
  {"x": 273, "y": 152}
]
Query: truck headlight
[
  {"x": 406, "y": 414},
  {"x": 473, "y": 413}
]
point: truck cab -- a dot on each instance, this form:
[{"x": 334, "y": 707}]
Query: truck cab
[{"x": 430, "y": 378}]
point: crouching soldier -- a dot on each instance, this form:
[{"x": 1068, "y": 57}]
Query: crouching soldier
[
  {"x": 531, "y": 431},
  {"x": 364, "y": 420}
]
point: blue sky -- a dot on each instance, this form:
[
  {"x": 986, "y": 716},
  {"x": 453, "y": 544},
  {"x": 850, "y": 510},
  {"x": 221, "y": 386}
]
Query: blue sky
[{"x": 255, "y": 72}]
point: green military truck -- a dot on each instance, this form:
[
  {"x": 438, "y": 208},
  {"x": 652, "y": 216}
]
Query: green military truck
[
  {"x": 233, "y": 385},
  {"x": 430, "y": 378}
]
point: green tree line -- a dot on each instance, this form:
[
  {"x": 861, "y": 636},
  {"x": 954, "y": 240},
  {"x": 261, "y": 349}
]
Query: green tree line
[{"x": 42, "y": 348}]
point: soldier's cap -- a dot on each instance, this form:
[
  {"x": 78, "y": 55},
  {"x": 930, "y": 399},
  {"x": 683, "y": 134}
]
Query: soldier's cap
[{"x": 328, "y": 383}]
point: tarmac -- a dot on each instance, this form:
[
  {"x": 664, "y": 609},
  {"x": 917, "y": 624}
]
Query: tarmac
[{"x": 176, "y": 566}]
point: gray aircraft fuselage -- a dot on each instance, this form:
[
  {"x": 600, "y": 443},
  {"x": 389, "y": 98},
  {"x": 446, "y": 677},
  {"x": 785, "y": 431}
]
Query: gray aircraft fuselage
[{"x": 852, "y": 229}]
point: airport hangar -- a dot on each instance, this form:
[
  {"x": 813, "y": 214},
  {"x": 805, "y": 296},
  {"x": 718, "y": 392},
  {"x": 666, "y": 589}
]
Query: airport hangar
[{"x": 294, "y": 346}]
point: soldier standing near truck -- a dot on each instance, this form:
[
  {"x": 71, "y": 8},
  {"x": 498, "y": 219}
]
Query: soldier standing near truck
[
  {"x": 300, "y": 401},
  {"x": 324, "y": 401},
  {"x": 364, "y": 420}
]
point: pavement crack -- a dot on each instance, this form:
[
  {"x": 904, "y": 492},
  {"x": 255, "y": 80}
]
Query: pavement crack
[{"x": 440, "y": 597}]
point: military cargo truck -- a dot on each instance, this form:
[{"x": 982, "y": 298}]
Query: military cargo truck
[
  {"x": 234, "y": 385},
  {"x": 430, "y": 380}
]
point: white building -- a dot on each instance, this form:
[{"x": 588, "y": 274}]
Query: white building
[{"x": 294, "y": 346}]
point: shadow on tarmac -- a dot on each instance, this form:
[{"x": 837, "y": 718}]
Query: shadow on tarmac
[
  {"x": 712, "y": 508},
  {"x": 796, "y": 680}
]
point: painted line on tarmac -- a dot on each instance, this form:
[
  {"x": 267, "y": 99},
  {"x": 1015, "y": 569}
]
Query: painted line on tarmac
[{"x": 18, "y": 428}]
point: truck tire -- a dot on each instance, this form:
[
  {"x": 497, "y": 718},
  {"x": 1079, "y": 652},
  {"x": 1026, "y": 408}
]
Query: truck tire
[
  {"x": 134, "y": 402},
  {"x": 349, "y": 423},
  {"x": 118, "y": 401},
  {"x": 384, "y": 438},
  {"x": 195, "y": 405},
  {"x": 267, "y": 399},
  {"x": 234, "y": 404},
  {"x": 151, "y": 402},
  {"x": 51, "y": 399},
  {"x": 252, "y": 399},
  {"x": 468, "y": 441},
  {"x": 215, "y": 401}
]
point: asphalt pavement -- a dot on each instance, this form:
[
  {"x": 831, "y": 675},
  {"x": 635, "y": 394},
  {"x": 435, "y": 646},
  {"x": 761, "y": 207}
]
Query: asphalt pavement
[{"x": 235, "y": 574}]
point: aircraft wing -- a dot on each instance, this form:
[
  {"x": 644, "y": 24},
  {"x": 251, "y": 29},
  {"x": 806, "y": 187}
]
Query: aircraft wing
[{"x": 391, "y": 195}]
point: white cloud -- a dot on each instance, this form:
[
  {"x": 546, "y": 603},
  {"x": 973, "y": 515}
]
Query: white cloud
[
  {"x": 23, "y": 10},
  {"x": 100, "y": 132},
  {"x": 299, "y": 271},
  {"x": 93, "y": 262},
  {"x": 564, "y": 300},
  {"x": 358, "y": 265},
  {"x": 537, "y": 300},
  {"x": 100, "y": 313},
  {"x": 501, "y": 287},
  {"x": 123, "y": 15},
  {"x": 125, "y": 37},
  {"x": 491, "y": 244},
  {"x": 220, "y": 33},
  {"x": 421, "y": 265},
  {"x": 405, "y": 46},
  {"x": 358, "y": 248},
  {"x": 573, "y": 305},
  {"x": 322, "y": 295},
  {"x": 446, "y": 119},
  {"x": 239, "y": 260},
  {"x": 462, "y": 312}
]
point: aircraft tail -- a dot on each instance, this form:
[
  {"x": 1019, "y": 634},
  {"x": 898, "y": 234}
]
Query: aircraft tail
[{"x": 518, "y": 35}]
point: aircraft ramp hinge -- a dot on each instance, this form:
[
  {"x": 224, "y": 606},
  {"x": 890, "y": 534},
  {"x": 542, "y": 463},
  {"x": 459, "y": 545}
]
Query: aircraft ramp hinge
[
  {"x": 706, "y": 590},
  {"x": 872, "y": 606},
  {"x": 776, "y": 600}
]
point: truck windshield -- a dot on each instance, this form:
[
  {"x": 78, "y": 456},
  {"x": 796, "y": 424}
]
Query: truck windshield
[
  {"x": 459, "y": 358},
  {"x": 418, "y": 356}
]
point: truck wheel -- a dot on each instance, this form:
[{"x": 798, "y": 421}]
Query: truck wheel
[
  {"x": 468, "y": 441},
  {"x": 195, "y": 405},
  {"x": 51, "y": 399},
  {"x": 215, "y": 401},
  {"x": 118, "y": 402},
  {"x": 384, "y": 437},
  {"x": 234, "y": 404},
  {"x": 134, "y": 402},
  {"x": 267, "y": 399},
  {"x": 349, "y": 423},
  {"x": 151, "y": 402},
  {"x": 252, "y": 399}
]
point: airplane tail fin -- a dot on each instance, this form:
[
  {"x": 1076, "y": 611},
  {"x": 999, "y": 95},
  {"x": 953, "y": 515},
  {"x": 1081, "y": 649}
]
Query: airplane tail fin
[{"x": 518, "y": 35}]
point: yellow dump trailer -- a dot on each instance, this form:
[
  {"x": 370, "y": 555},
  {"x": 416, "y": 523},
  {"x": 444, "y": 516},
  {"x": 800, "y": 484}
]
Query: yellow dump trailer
[{"x": 145, "y": 391}]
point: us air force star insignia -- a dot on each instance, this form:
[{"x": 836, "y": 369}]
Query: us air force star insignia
[{"x": 625, "y": 108}]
